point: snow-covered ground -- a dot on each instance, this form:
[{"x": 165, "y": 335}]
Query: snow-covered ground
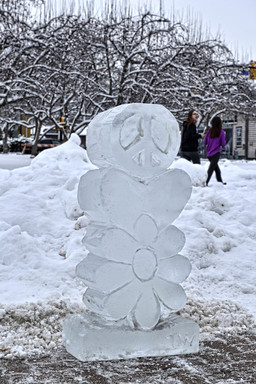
[
  {"x": 14, "y": 160},
  {"x": 42, "y": 226}
]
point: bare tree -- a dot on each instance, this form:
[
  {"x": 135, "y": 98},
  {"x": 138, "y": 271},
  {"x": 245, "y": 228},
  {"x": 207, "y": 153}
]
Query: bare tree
[{"x": 69, "y": 68}]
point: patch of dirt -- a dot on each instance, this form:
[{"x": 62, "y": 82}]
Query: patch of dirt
[{"x": 226, "y": 360}]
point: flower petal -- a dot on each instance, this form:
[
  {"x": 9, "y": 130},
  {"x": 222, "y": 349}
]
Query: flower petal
[
  {"x": 114, "y": 243},
  {"x": 145, "y": 229},
  {"x": 147, "y": 310},
  {"x": 171, "y": 295},
  {"x": 121, "y": 302},
  {"x": 170, "y": 241},
  {"x": 174, "y": 269},
  {"x": 102, "y": 274},
  {"x": 95, "y": 300}
]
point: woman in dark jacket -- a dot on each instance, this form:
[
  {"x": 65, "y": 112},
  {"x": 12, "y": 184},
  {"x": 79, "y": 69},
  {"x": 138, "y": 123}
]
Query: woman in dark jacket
[{"x": 189, "y": 138}]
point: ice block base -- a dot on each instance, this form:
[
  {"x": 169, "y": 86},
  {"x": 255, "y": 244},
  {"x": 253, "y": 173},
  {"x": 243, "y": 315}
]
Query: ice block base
[{"x": 88, "y": 337}]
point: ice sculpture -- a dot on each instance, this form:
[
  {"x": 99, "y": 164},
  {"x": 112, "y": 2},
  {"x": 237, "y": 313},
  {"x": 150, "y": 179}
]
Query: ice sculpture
[{"x": 133, "y": 269}]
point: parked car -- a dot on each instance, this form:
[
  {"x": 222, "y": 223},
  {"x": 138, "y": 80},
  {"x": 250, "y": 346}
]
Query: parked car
[{"x": 41, "y": 146}]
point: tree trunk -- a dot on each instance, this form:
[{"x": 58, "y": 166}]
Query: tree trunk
[
  {"x": 37, "y": 135},
  {"x": 5, "y": 139}
]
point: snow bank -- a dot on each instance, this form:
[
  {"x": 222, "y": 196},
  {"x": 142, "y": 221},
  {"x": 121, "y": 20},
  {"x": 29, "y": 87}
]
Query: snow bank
[
  {"x": 40, "y": 225},
  {"x": 197, "y": 172},
  {"x": 41, "y": 231}
]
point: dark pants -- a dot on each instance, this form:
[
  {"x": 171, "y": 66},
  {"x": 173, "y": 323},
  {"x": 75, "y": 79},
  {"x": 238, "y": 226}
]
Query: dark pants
[
  {"x": 191, "y": 156},
  {"x": 214, "y": 167}
]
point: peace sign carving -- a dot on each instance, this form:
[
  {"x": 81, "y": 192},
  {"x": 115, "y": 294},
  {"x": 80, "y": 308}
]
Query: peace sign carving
[{"x": 142, "y": 139}]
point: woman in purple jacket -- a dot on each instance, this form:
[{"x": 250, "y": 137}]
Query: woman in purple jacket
[{"x": 214, "y": 140}]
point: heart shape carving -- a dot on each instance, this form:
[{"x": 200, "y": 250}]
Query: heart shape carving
[{"x": 121, "y": 198}]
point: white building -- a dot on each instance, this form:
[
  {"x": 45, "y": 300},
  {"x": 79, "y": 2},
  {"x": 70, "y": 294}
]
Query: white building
[{"x": 244, "y": 137}]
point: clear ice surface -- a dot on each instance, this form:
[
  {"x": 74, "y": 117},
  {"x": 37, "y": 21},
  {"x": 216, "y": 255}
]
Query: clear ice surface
[
  {"x": 90, "y": 338},
  {"x": 133, "y": 269}
]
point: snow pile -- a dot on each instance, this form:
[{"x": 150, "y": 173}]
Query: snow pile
[
  {"x": 40, "y": 225},
  {"x": 197, "y": 173},
  {"x": 41, "y": 231}
]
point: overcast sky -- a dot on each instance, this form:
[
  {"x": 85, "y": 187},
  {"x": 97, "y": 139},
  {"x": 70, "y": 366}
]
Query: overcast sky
[{"x": 235, "y": 19}]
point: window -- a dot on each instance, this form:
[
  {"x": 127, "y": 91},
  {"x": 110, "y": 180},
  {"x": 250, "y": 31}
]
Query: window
[{"x": 238, "y": 137}]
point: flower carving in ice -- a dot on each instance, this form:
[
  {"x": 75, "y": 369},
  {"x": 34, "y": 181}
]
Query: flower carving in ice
[{"x": 132, "y": 276}]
